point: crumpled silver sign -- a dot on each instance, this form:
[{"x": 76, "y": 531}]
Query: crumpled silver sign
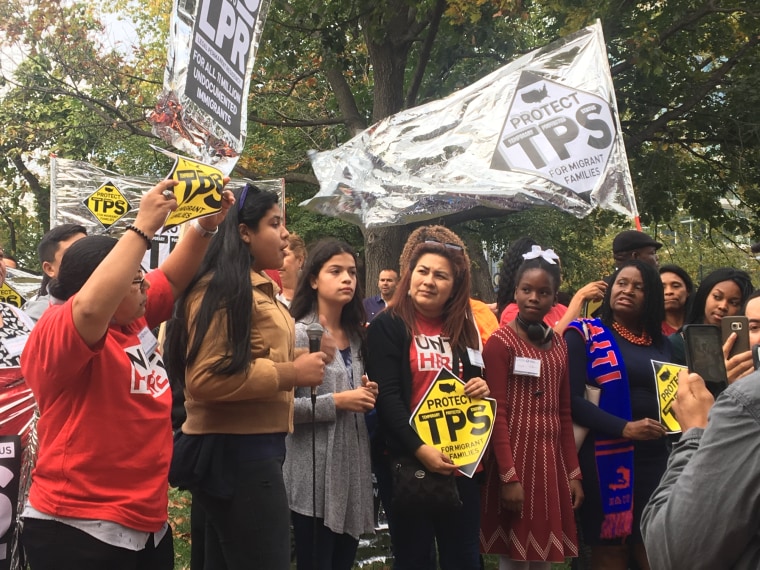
[
  {"x": 202, "y": 110},
  {"x": 83, "y": 194},
  {"x": 541, "y": 131}
]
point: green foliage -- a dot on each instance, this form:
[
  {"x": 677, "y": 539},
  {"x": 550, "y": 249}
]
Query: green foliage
[
  {"x": 311, "y": 226},
  {"x": 684, "y": 72},
  {"x": 72, "y": 95}
]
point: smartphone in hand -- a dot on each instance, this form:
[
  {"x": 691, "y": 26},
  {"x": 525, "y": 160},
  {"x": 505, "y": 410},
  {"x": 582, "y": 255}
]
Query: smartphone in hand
[
  {"x": 740, "y": 326},
  {"x": 704, "y": 355}
]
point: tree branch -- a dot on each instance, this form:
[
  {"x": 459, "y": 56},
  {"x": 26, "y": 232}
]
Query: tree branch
[
  {"x": 295, "y": 123},
  {"x": 707, "y": 8},
  {"x": 698, "y": 92},
  {"x": 424, "y": 57}
]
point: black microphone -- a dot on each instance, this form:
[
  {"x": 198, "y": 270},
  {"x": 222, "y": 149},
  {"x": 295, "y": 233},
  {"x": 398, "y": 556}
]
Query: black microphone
[{"x": 314, "y": 331}]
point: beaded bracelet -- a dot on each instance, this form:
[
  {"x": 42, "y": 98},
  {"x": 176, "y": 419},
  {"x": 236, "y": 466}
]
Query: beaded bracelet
[{"x": 140, "y": 233}]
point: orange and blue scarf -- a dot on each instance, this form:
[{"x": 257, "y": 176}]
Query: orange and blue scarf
[{"x": 614, "y": 456}]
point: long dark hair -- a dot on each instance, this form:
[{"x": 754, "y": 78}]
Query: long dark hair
[
  {"x": 688, "y": 283},
  {"x": 511, "y": 261},
  {"x": 696, "y": 315},
  {"x": 352, "y": 316},
  {"x": 653, "y": 311},
  {"x": 226, "y": 274},
  {"x": 457, "y": 326}
]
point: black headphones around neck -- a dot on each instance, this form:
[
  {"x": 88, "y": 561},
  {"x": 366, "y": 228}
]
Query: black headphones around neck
[{"x": 537, "y": 332}]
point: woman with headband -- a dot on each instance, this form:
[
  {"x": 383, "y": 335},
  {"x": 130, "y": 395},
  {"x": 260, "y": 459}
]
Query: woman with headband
[{"x": 232, "y": 344}]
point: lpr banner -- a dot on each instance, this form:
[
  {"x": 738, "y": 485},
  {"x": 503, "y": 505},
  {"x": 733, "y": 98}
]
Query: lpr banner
[{"x": 202, "y": 109}]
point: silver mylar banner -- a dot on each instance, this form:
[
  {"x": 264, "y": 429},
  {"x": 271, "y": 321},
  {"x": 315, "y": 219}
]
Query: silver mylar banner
[
  {"x": 25, "y": 283},
  {"x": 540, "y": 131},
  {"x": 202, "y": 110},
  {"x": 104, "y": 202}
]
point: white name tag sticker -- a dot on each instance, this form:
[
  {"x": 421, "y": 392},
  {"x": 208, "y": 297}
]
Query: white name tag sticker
[
  {"x": 527, "y": 366},
  {"x": 475, "y": 356},
  {"x": 148, "y": 341}
]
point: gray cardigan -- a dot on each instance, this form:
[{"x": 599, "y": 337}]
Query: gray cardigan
[
  {"x": 706, "y": 511},
  {"x": 344, "y": 475}
]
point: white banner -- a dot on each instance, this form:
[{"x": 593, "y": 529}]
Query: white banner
[{"x": 540, "y": 131}]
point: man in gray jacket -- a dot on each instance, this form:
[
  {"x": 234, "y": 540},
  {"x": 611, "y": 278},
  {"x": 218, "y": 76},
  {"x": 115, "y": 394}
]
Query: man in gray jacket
[{"x": 706, "y": 511}]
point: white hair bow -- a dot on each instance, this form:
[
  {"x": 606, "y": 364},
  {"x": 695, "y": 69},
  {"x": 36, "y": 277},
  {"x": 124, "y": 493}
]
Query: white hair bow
[{"x": 536, "y": 251}]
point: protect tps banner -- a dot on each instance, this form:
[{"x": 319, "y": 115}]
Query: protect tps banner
[{"x": 541, "y": 131}]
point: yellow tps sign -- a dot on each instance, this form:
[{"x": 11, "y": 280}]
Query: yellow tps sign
[
  {"x": 9, "y": 295},
  {"x": 451, "y": 421},
  {"x": 107, "y": 204},
  {"x": 666, "y": 377},
  {"x": 199, "y": 192}
]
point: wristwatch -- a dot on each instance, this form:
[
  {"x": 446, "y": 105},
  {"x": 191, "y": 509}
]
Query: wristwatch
[{"x": 201, "y": 230}]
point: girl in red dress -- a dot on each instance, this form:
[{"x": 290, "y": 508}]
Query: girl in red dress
[{"x": 533, "y": 479}]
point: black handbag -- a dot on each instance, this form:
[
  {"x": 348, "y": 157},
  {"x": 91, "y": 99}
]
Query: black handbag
[{"x": 416, "y": 489}]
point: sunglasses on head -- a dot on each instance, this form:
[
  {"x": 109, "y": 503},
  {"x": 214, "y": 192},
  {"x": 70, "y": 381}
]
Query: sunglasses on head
[{"x": 447, "y": 245}]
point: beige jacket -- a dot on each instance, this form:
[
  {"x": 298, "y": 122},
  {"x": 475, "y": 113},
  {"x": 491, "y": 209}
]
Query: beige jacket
[{"x": 254, "y": 402}]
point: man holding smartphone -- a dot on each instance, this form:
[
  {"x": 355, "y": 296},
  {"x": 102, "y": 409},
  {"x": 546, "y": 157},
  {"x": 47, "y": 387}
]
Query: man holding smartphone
[
  {"x": 713, "y": 474},
  {"x": 752, "y": 312},
  {"x": 744, "y": 363}
]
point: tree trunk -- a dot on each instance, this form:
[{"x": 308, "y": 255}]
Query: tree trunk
[
  {"x": 482, "y": 281},
  {"x": 390, "y": 32},
  {"x": 382, "y": 249},
  {"x": 41, "y": 195}
]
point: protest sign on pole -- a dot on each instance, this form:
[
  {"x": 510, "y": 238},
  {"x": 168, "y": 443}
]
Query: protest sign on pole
[
  {"x": 202, "y": 109},
  {"x": 541, "y": 131}
]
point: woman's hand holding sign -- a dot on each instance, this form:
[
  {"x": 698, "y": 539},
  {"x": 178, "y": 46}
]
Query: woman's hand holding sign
[
  {"x": 476, "y": 388},
  {"x": 435, "y": 460}
]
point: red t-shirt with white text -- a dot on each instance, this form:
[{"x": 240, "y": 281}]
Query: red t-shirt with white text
[{"x": 105, "y": 438}]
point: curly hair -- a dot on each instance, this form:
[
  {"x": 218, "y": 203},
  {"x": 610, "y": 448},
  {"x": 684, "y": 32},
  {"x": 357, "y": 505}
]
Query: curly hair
[
  {"x": 457, "y": 326},
  {"x": 297, "y": 246},
  {"x": 422, "y": 234}
]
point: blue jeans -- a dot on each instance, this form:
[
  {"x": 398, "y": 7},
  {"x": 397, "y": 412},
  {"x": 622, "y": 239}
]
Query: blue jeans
[{"x": 457, "y": 534}]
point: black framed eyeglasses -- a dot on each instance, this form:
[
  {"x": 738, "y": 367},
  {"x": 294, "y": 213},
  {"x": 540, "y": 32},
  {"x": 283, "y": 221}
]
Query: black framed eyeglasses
[{"x": 140, "y": 281}]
